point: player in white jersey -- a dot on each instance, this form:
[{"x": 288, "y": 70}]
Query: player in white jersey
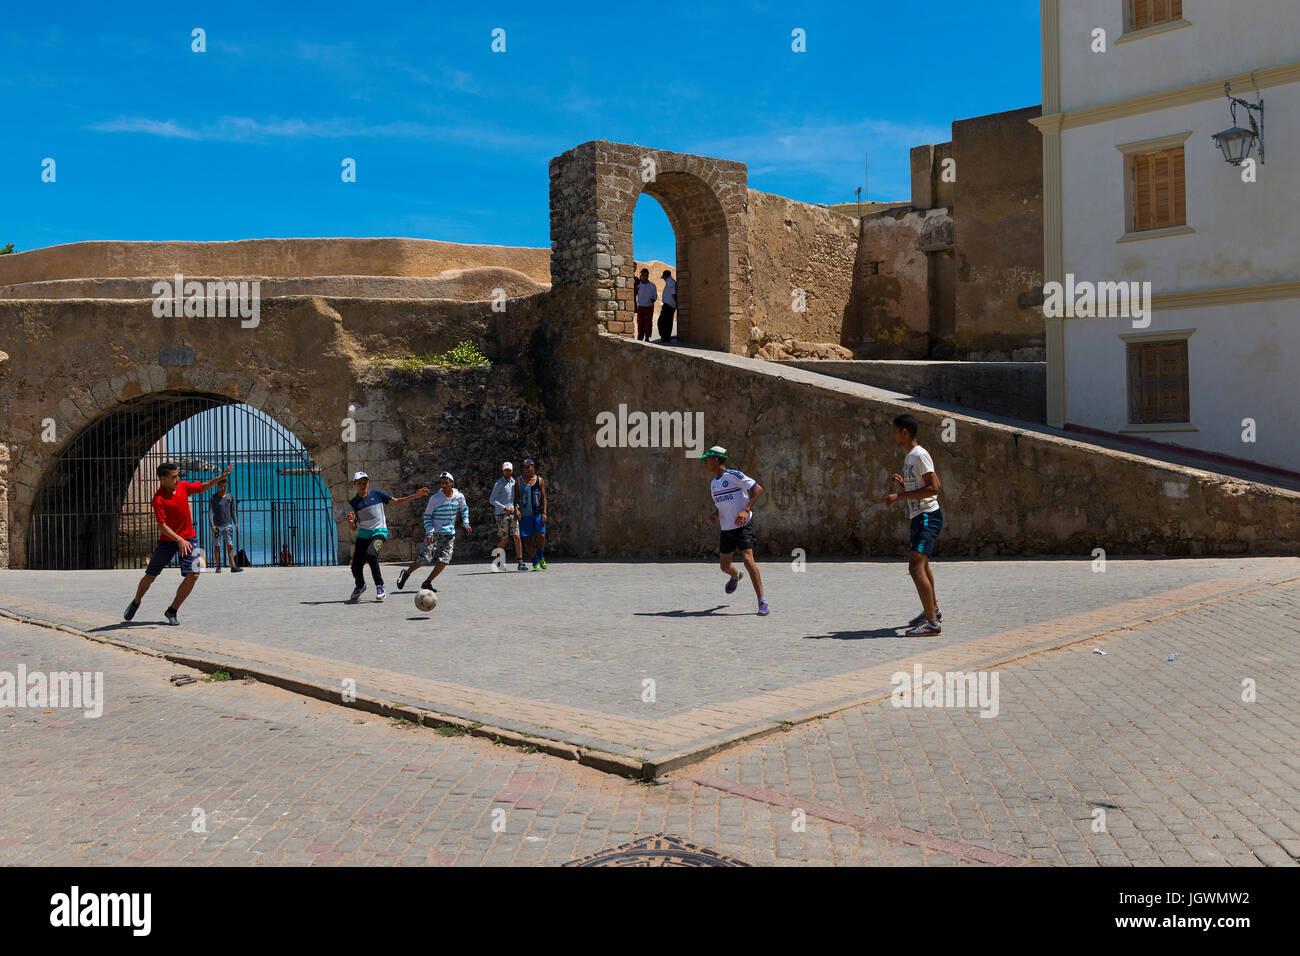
[
  {"x": 921, "y": 492},
  {"x": 734, "y": 494}
]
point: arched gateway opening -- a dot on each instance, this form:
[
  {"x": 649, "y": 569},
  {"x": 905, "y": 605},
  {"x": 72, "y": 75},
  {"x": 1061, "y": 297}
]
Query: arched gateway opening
[
  {"x": 700, "y": 229},
  {"x": 594, "y": 192},
  {"x": 93, "y": 509}
]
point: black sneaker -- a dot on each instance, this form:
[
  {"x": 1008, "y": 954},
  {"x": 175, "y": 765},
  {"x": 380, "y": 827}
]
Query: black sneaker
[
  {"x": 217, "y": 569},
  {"x": 426, "y": 586},
  {"x": 234, "y": 569},
  {"x": 401, "y": 579},
  {"x": 172, "y": 618},
  {"x": 129, "y": 613},
  {"x": 920, "y": 618}
]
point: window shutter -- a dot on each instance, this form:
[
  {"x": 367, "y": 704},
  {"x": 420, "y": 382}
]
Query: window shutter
[
  {"x": 1141, "y": 193},
  {"x": 1178, "y": 187},
  {"x": 1141, "y": 14},
  {"x": 1159, "y": 190},
  {"x": 1161, "y": 200},
  {"x": 1158, "y": 383},
  {"x": 1175, "y": 9}
]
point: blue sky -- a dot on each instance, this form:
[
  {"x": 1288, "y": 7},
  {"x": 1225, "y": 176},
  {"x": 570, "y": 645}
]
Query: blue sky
[{"x": 451, "y": 140}]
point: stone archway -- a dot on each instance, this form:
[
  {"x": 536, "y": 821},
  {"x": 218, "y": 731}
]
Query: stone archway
[
  {"x": 79, "y": 412},
  {"x": 91, "y": 510},
  {"x": 594, "y": 189}
]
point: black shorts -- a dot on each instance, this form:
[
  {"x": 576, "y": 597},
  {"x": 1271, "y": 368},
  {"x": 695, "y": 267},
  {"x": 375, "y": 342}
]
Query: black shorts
[
  {"x": 925, "y": 531},
  {"x": 737, "y": 539},
  {"x": 163, "y": 553}
]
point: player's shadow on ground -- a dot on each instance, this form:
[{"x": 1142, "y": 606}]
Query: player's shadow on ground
[
  {"x": 856, "y": 635},
  {"x": 341, "y": 601},
  {"x": 710, "y": 612},
  {"x": 127, "y": 624}
]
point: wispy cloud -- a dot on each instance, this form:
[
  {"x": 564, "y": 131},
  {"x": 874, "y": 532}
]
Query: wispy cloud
[
  {"x": 829, "y": 151},
  {"x": 138, "y": 124},
  {"x": 814, "y": 145},
  {"x": 245, "y": 129}
]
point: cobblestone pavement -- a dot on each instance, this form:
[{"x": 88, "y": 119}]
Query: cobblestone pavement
[
  {"x": 1185, "y": 769},
  {"x": 576, "y": 672},
  {"x": 286, "y": 780}
]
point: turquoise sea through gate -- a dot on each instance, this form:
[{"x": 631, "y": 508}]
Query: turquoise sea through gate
[{"x": 283, "y": 517}]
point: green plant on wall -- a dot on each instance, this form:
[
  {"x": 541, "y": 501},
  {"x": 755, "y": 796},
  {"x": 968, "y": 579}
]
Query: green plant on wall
[
  {"x": 6, "y": 249},
  {"x": 464, "y": 355}
]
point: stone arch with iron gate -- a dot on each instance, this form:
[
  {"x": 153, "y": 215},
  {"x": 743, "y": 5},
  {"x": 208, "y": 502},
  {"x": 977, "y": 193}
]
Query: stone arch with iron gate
[{"x": 82, "y": 412}]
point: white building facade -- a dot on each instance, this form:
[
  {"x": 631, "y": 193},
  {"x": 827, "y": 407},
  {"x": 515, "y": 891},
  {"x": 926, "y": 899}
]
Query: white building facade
[{"x": 1135, "y": 190}]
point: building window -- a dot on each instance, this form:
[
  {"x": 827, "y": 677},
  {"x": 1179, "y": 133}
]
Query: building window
[
  {"x": 1159, "y": 188},
  {"x": 1152, "y": 13},
  {"x": 1157, "y": 383}
]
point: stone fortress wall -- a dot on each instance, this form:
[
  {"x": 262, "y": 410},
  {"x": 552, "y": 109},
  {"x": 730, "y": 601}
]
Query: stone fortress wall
[{"x": 563, "y": 357}]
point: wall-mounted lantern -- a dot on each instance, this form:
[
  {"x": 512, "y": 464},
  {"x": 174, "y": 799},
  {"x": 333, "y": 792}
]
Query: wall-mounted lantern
[{"x": 1235, "y": 142}]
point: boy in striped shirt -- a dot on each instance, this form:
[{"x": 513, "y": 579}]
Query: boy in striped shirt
[{"x": 440, "y": 515}]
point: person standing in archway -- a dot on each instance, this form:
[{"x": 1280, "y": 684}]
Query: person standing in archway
[
  {"x": 668, "y": 308},
  {"x": 171, "y": 506},
  {"x": 646, "y": 295},
  {"x": 225, "y": 522}
]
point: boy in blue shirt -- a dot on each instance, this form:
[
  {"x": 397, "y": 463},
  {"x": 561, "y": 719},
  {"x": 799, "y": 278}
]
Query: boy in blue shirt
[{"x": 369, "y": 522}]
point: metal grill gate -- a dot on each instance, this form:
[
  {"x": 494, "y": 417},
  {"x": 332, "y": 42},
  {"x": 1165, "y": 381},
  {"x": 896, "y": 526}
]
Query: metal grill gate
[{"x": 94, "y": 509}]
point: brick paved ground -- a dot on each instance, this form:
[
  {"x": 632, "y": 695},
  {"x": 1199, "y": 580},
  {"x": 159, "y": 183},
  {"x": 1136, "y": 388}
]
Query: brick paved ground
[
  {"x": 285, "y": 780},
  {"x": 1197, "y": 775},
  {"x": 598, "y": 631},
  {"x": 1191, "y": 773}
]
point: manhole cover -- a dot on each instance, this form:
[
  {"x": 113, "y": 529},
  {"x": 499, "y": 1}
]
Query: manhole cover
[{"x": 657, "y": 850}]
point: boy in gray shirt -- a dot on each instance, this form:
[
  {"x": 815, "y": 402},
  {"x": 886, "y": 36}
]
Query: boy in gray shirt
[
  {"x": 506, "y": 511},
  {"x": 224, "y": 525}
]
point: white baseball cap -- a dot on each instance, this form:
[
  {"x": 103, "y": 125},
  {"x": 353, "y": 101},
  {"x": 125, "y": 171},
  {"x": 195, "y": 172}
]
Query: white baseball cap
[
  {"x": 359, "y": 475},
  {"x": 446, "y": 474},
  {"x": 506, "y": 464}
]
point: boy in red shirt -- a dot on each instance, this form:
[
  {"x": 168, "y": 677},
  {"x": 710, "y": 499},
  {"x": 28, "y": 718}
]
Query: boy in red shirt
[{"x": 171, "y": 504}]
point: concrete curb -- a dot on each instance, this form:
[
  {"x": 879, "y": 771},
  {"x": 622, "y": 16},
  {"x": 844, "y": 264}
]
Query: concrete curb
[{"x": 596, "y": 759}]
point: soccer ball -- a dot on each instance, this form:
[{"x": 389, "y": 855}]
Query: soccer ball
[{"x": 425, "y": 599}]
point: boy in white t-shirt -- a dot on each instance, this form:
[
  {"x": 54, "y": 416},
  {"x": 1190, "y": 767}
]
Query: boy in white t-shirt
[
  {"x": 734, "y": 494},
  {"x": 920, "y": 490}
]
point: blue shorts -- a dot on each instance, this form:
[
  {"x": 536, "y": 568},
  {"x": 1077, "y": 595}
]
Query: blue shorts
[
  {"x": 925, "y": 529},
  {"x": 225, "y": 535},
  {"x": 166, "y": 550},
  {"x": 530, "y": 525}
]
